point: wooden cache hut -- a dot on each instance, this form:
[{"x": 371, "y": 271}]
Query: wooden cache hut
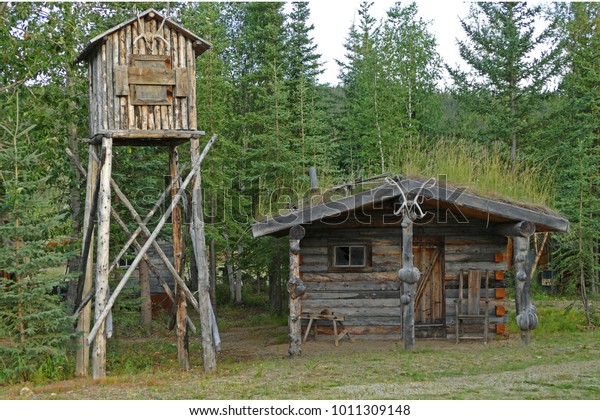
[
  {"x": 355, "y": 256},
  {"x": 142, "y": 81},
  {"x": 142, "y": 92}
]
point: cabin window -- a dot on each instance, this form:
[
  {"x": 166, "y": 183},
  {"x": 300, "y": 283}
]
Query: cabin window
[{"x": 350, "y": 258}]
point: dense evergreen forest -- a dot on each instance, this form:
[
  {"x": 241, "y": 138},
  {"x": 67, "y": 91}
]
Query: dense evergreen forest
[{"x": 526, "y": 106}]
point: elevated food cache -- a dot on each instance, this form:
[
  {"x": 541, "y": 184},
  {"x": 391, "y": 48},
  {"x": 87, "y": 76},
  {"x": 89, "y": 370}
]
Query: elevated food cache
[{"x": 142, "y": 82}]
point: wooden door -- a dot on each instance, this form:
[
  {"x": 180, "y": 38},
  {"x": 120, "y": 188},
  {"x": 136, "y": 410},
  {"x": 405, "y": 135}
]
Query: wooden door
[{"x": 429, "y": 291}]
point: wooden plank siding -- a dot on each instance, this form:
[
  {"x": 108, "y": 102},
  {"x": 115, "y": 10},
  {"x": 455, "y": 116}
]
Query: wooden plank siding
[
  {"x": 369, "y": 299},
  {"x": 112, "y": 110}
]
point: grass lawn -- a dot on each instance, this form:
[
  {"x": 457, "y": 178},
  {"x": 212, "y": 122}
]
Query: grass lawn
[{"x": 253, "y": 365}]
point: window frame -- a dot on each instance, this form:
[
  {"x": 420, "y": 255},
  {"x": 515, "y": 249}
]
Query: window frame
[{"x": 368, "y": 261}]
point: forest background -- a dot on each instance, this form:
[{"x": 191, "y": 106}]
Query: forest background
[{"x": 523, "y": 114}]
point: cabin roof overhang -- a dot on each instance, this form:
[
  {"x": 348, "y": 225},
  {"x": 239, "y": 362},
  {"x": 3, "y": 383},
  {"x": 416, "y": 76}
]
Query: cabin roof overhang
[
  {"x": 200, "y": 45},
  {"x": 439, "y": 196}
]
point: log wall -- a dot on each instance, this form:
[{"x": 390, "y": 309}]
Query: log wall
[
  {"x": 369, "y": 298},
  {"x": 111, "y": 109}
]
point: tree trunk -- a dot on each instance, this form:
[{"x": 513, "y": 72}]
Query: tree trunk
[
  {"x": 229, "y": 267},
  {"x": 146, "y": 300},
  {"x": 513, "y": 92},
  {"x": 213, "y": 257},
  {"x": 75, "y": 191},
  {"x": 275, "y": 291},
  {"x": 379, "y": 140},
  {"x": 238, "y": 278},
  {"x": 582, "y": 286},
  {"x": 539, "y": 250}
]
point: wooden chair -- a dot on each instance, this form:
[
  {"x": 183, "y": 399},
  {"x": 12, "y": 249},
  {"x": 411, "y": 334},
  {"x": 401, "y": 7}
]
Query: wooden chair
[{"x": 475, "y": 308}]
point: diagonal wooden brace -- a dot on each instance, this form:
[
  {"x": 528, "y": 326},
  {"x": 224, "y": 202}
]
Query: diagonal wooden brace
[
  {"x": 151, "y": 266},
  {"x": 133, "y": 236},
  {"x": 148, "y": 244},
  {"x": 132, "y": 240},
  {"x": 154, "y": 244}
]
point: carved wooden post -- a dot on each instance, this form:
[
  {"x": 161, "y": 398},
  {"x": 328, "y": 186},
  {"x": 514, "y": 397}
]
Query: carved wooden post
[
  {"x": 102, "y": 258},
  {"x": 199, "y": 244},
  {"x": 82, "y": 360},
  {"x": 296, "y": 289},
  {"x": 527, "y": 319},
  {"x": 178, "y": 249},
  {"x": 409, "y": 275}
]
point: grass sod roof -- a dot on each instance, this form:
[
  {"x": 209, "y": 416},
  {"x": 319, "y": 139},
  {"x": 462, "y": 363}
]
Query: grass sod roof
[
  {"x": 331, "y": 204},
  {"x": 489, "y": 182}
]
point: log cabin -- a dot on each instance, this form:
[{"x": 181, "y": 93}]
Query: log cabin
[{"x": 409, "y": 259}]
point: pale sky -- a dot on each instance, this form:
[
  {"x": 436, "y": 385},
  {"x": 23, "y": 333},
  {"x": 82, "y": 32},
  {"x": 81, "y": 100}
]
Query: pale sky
[{"x": 332, "y": 20}]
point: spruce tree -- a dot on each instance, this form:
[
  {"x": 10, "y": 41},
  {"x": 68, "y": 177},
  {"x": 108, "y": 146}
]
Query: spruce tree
[
  {"x": 575, "y": 145},
  {"x": 32, "y": 257},
  {"x": 505, "y": 79},
  {"x": 308, "y": 131},
  {"x": 411, "y": 68},
  {"x": 362, "y": 147}
]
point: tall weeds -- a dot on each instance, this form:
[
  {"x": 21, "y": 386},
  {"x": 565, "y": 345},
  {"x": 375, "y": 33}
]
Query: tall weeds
[{"x": 484, "y": 170}]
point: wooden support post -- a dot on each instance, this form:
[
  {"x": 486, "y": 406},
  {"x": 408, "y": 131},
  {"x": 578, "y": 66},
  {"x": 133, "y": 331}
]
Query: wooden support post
[
  {"x": 102, "y": 261},
  {"x": 82, "y": 358},
  {"x": 145, "y": 296},
  {"x": 296, "y": 289},
  {"x": 409, "y": 275},
  {"x": 178, "y": 250},
  {"x": 527, "y": 319},
  {"x": 207, "y": 323}
]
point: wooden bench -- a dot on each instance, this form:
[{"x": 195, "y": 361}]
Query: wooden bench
[{"x": 312, "y": 318}]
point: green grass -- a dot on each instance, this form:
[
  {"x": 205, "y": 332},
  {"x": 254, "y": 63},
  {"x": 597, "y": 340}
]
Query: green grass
[
  {"x": 562, "y": 362},
  {"x": 484, "y": 170}
]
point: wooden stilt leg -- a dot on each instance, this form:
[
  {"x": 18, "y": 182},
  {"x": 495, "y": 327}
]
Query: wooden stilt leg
[
  {"x": 176, "y": 217},
  {"x": 102, "y": 261},
  {"x": 82, "y": 358},
  {"x": 132, "y": 241},
  {"x": 199, "y": 243}
]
